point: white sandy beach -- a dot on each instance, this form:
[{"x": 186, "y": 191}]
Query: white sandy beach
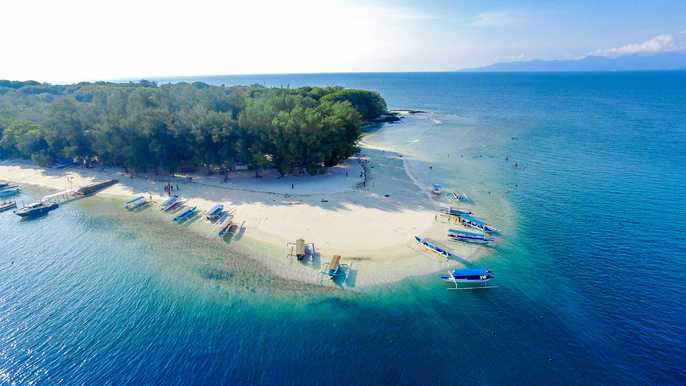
[{"x": 372, "y": 231}]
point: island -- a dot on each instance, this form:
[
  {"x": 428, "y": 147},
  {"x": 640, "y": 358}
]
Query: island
[{"x": 288, "y": 163}]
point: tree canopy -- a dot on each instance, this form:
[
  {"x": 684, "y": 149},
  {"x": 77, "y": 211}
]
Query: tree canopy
[{"x": 144, "y": 126}]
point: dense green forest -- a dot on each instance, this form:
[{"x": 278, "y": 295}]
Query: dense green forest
[{"x": 148, "y": 127}]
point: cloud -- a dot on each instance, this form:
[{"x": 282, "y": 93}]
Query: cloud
[
  {"x": 496, "y": 19},
  {"x": 659, "y": 43}
]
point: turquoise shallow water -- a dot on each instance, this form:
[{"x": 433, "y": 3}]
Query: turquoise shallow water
[{"x": 584, "y": 172}]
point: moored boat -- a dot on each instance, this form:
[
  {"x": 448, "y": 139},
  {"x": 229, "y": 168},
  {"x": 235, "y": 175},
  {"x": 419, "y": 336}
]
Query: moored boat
[
  {"x": 471, "y": 221},
  {"x": 169, "y": 203},
  {"x": 432, "y": 247},
  {"x": 10, "y": 190},
  {"x": 469, "y": 276},
  {"x": 470, "y": 237},
  {"x": 224, "y": 230},
  {"x": 186, "y": 214},
  {"x": 215, "y": 212},
  {"x": 36, "y": 208},
  {"x": 7, "y": 205},
  {"x": 456, "y": 211},
  {"x": 137, "y": 204},
  {"x": 133, "y": 201}
]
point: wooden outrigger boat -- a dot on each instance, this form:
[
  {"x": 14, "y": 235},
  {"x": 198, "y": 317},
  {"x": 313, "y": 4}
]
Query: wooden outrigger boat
[
  {"x": 137, "y": 204},
  {"x": 432, "y": 247},
  {"x": 10, "y": 190},
  {"x": 128, "y": 204},
  {"x": 228, "y": 228},
  {"x": 471, "y": 221},
  {"x": 169, "y": 203},
  {"x": 215, "y": 212},
  {"x": 469, "y": 276},
  {"x": 469, "y": 237},
  {"x": 456, "y": 211},
  {"x": 186, "y": 214},
  {"x": 7, "y": 205}
]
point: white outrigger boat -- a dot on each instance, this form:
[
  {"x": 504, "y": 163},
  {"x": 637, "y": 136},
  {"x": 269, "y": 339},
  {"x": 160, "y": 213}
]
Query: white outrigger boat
[
  {"x": 133, "y": 200},
  {"x": 170, "y": 203},
  {"x": 7, "y": 205},
  {"x": 432, "y": 247},
  {"x": 138, "y": 203},
  {"x": 469, "y": 276}
]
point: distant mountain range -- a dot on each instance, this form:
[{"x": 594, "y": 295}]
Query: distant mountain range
[{"x": 662, "y": 61}]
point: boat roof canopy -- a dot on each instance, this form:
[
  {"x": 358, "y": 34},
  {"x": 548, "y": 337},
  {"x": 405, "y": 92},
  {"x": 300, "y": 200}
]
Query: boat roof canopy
[{"x": 471, "y": 272}]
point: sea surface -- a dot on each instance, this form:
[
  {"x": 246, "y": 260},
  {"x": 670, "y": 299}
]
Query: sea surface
[{"x": 585, "y": 174}]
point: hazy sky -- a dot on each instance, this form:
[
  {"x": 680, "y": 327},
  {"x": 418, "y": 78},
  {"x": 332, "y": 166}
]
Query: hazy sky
[{"x": 71, "y": 40}]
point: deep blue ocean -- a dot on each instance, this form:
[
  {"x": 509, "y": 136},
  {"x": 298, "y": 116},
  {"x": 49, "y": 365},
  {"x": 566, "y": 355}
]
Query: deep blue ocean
[{"x": 590, "y": 169}]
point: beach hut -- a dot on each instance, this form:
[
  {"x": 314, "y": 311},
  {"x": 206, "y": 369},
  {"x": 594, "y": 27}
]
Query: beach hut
[
  {"x": 334, "y": 266},
  {"x": 300, "y": 249}
]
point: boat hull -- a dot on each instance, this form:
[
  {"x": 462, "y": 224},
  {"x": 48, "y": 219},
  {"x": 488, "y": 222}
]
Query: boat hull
[{"x": 37, "y": 211}]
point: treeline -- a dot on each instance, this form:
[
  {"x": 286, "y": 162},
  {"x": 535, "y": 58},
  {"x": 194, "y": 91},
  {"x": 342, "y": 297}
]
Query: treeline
[{"x": 148, "y": 127}]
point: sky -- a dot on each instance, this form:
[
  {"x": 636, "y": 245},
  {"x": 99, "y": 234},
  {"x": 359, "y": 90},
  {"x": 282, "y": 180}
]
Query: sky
[{"x": 78, "y": 40}]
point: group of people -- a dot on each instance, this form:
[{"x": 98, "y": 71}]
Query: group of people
[{"x": 169, "y": 189}]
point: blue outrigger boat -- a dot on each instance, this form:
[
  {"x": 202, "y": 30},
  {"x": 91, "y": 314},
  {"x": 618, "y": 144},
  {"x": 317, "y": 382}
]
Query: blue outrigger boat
[
  {"x": 471, "y": 221},
  {"x": 470, "y": 237},
  {"x": 456, "y": 211},
  {"x": 215, "y": 212},
  {"x": 432, "y": 247},
  {"x": 469, "y": 276},
  {"x": 186, "y": 214}
]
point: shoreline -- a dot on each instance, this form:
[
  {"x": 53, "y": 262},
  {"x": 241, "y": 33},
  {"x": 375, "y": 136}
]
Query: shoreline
[{"x": 372, "y": 227}]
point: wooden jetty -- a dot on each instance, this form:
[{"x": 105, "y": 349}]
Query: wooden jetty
[
  {"x": 73, "y": 194},
  {"x": 95, "y": 187}
]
